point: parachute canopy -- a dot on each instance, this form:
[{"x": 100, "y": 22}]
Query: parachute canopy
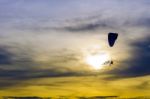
[{"x": 112, "y": 38}]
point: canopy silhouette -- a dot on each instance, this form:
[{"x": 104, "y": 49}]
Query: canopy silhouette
[{"x": 112, "y": 37}]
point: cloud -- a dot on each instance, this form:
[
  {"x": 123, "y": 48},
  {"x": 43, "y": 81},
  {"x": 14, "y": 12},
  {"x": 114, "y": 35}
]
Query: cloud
[
  {"x": 18, "y": 64},
  {"x": 5, "y": 56},
  {"x": 88, "y": 25},
  {"x": 22, "y": 59},
  {"x": 26, "y": 15},
  {"x": 138, "y": 65},
  {"x": 144, "y": 85},
  {"x": 19, "y": 76},
  {"x": 14, "y": 56},
  {"x": 29, "y": 74},
  {"x": 145, "y": 22}
]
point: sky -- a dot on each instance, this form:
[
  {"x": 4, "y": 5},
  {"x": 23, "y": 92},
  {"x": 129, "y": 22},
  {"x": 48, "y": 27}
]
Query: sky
[{"x": 54, "y": 48}]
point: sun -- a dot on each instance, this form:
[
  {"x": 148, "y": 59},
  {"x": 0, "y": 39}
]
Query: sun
[{"x": 97, "y": 61}]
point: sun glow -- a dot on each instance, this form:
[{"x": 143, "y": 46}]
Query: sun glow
[{"x": 97, "y": 61}]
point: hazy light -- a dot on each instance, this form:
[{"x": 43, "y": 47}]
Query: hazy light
[{"x": 97, "y": 61}]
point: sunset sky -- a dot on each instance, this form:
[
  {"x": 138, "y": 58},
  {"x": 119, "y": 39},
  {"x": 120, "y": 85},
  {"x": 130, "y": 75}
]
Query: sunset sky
[{"x": 53, "y": 48}]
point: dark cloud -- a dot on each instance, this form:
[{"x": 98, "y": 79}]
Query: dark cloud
[
  {"x": 88, "y": 26},
  {"x": 17, "y": 66},
  {"x": 15, "y": 56},
  {"x": 86, "y": 23},
  {"x": 139, "y": 65},
  {"x": 5, "y": 56},
  {"x": 141, "y": 22},
  {"x": 90, "y": 23},
  {"x": 144, "y": 22},
  {"x": 97, "y": 22},
  {"x": 18, "y": 76}
]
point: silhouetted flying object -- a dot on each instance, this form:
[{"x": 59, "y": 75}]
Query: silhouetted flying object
[{"x": 112, "y": 37}]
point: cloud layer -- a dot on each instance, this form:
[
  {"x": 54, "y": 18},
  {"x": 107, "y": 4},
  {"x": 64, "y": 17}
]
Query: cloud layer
[{"x": 50, "y": 39}]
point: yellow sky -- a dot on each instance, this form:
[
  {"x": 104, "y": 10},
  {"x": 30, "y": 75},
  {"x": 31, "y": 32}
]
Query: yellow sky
[{"x": 80, "y": 86}]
